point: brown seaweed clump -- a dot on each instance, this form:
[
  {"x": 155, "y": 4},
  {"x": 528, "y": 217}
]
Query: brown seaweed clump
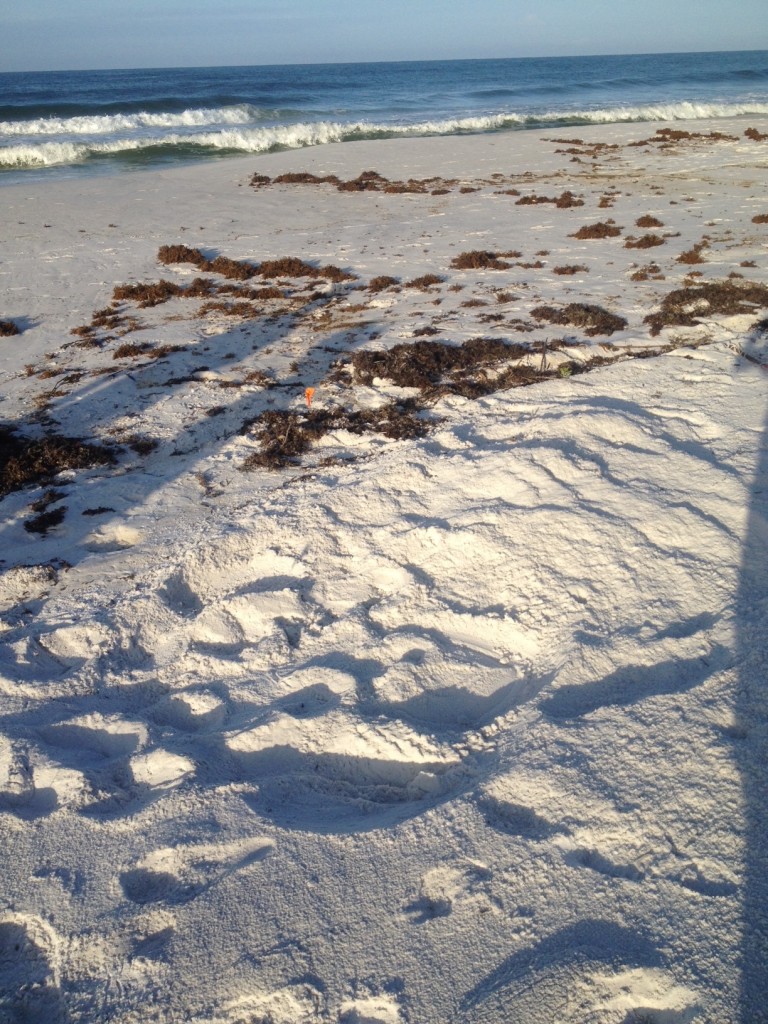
[
  {"x": 285, "y": 266},
  {"x": 755, "y": 135},
  {"x": 378, "y": 284},
  {"x": 425, "y": 364},
  {"x": 592, "y": 319},
  {"x": 285, "y": 436},
  {"x": 303, "y": 178},
  {"x": 8, "y": 329},
  {"x": 479, "y": 259},
  {"x": 602, "y": 229},
  {"x": 563, "y": 202},
  {"x": 648, "y": 221},
  {"x": 367, "y": 181},
  {"x": 760, "y": 218},
  {"x": 570, "y": 269},
  {"x": 683, "y": 307},
  {"x": 25, "y": 461},
  {"x": 424, "y": 282},
  {"x": 644, "y": 242},
  {"x": 691, "y": 257},
  {"x": 232, "y": 269},
  {"x": 146, "y": 293}
]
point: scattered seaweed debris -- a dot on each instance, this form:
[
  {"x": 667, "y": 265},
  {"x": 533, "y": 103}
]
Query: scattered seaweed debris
[
  {"x": 235, "y": 270},
  {"x": 45, "y": 521},
  {"x": 760, "y": 218},
  {"x": 424, "y": 282},
  {"x": 755, "y": 135},
  {"x": 292, "y": 266},
  {"x": 284, "y": 436},
  {"x": 648, "y": 221},
  {"x": 666, "y": 138},
  {"x": 644, "y": 242},
  {"x": 366, "y": 181},
  {"x": 651, "y": 271},
  {"x": 131, "y": 350},
  {"x": 25, "y": 461},
  {"x": 285, "y": 266},
  {"x": 425, "y": 364},
  {"x": 147, "y": 294},
  {"x": 480, "y": 259},
  {"x": 303, "y": 178},
  {"x": 380, "y": 283},
  {"x": 564, "y": 201},
  {"x": 691, "y": 257},
  {"x": 570, "y": 269},
  {"x": 684, "y": 307},
  {"x": 8, "y": 329},
  {"x": 602, "y": 229},
  {"x": 592, "y": 319}
]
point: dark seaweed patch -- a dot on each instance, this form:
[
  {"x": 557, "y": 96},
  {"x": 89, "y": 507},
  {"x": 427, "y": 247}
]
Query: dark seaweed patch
[
  {"x": 378, "y": 284},
  {"x": 45, "y": 521},
  {"x": 479, "y": 259},
  {"x": 570, "y": 269},
  {"x": 425, "y": 364},
  {"x": 285, "y": 436},
  {"x": 424, "y": 282},
  {"x": 644, "y": 242},
  {"x": 602, "y": 229},
  {"x": 592, "y": 319},
  {"x": 25, "y": 461},
  {"x": 563, "y": 202},
  {"x": 684, "y": 306}
]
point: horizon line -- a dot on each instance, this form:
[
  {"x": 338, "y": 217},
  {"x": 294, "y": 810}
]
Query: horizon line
[{"x": 349, "y": 63}]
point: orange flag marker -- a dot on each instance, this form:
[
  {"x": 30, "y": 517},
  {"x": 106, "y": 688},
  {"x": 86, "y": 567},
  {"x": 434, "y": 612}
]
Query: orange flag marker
[{"x": 308, "y": 395}]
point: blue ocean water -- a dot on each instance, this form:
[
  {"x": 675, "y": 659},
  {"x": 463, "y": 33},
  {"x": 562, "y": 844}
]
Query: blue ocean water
[{"x": 105, "y": 120}]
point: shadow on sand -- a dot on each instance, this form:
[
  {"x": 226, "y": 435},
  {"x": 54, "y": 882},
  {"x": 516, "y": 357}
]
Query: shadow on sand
[{"x": 751, "y": 743}]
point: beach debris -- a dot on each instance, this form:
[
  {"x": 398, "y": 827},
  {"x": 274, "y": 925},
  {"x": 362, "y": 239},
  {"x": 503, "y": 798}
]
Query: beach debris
[
  {"x": 25, "y": 461},
  {"x": 602, "y": 229},
  {"x": 592, "y": 319},
  {"x": 684, "y": 307}
]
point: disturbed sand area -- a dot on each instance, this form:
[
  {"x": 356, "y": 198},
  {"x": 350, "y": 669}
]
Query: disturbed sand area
[{"x": 438, "y": 699}]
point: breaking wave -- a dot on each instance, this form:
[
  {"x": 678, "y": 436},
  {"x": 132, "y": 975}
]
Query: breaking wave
[
  {"x": 241, "y": 129},
  {"x": 105, "y": 124}
]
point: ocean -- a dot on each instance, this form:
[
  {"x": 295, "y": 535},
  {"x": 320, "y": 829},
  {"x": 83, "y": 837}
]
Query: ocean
[{"x": 75, "y": 122}]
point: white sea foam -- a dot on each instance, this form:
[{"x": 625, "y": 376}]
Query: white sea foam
[
  {"x": 105, "y": 124},
  {"x": 238, "y": 137}
]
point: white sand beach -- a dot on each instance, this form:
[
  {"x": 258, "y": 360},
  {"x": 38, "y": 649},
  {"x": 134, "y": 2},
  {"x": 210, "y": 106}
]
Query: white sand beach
[{"x": 440, "y": 699}]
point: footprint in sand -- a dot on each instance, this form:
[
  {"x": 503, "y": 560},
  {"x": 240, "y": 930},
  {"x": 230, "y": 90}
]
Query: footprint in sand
[
  {"x": 307, "y": 764},
  {"x": 29, "y": 977},
  {"x": 197, "y": 710},
  {"x": 374, "y": 1010},
  {"x": 646, "y": 994},
  {"x": 179, "y": 874},
  {"x": 449, "y": 887},
  {"x": 295, "y": 1004}
]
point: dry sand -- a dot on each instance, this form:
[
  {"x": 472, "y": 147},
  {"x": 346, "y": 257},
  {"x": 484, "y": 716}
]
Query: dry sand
[{"x": 456, "y": 714}]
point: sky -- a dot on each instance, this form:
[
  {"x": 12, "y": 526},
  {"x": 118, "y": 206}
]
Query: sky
[{"x": 48, "y": 35}]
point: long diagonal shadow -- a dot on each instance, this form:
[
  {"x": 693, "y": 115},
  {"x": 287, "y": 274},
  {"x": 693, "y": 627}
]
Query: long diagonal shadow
[
  {"x": 751, "y": 743},
  {"x": 97, "y": 404}
]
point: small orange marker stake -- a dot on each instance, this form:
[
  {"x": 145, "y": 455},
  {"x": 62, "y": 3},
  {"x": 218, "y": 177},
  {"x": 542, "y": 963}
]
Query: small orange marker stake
[{"x": 308, "y": 395}]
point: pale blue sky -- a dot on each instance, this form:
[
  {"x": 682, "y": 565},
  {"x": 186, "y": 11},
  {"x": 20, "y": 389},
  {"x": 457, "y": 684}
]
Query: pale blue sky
[{"x": 63, "y": 34}]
